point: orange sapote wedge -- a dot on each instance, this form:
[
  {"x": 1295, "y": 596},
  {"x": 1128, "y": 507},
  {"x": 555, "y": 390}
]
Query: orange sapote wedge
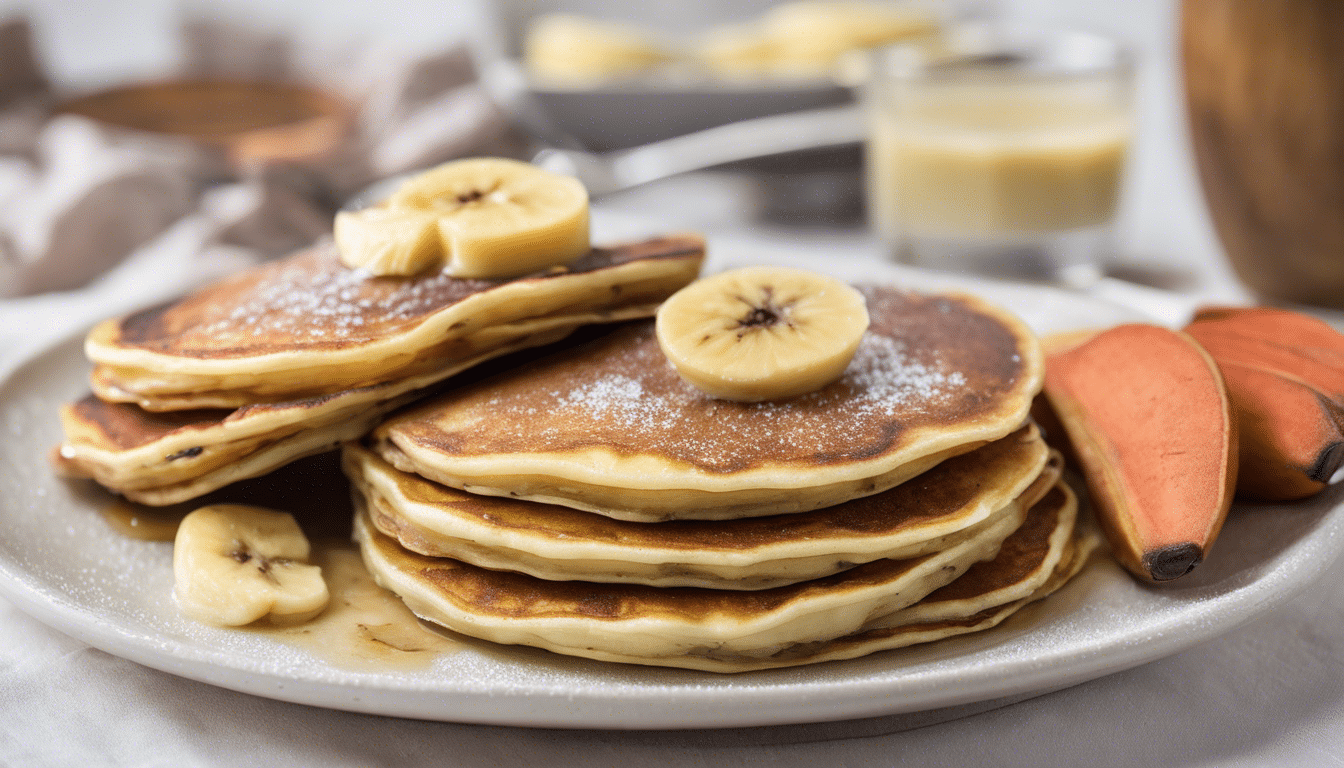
[
  {"x": 1149, "y": 418},
  {"x": 1285, "y": 375},
  {"x": 1303, "y": 334},
  {"x": 1291, "y": 441}
]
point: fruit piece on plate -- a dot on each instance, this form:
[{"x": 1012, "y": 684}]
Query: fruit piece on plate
[
  {"x": 1148, "y": 416},
  {"x": 1304, "y": 333},
  {"x": 1285, "y": 375},
  {"x": 1291, "y": 436},
  {"x": 235, "y": 564},
  {"x": 762, "y": 333},
  {"x": 495, "y": 218}
]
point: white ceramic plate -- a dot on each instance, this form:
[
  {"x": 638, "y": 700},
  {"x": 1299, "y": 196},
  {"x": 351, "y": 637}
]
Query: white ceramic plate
[{"x": 61, "y": 562}]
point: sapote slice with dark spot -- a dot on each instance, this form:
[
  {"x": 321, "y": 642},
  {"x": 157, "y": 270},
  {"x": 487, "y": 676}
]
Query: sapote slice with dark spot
[
  {"x": 1285, "y": 375},
  {"x": 1149, "y": 418},
  {"x": 1291, "y": 436}
]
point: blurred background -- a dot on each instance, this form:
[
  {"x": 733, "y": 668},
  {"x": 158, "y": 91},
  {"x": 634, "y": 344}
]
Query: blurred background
[
  {"x": 425, "y": 83},
  {"x": 96, "y": 219}
]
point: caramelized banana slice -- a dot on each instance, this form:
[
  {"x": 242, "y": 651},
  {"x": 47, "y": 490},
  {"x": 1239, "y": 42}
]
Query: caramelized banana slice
[
  {"x": 236, "y": 564},
  {"x": 478, "y": 218},
  {"x": 388, "y": 241}
]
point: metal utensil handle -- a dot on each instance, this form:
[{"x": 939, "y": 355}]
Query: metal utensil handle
[
  {"x": 758, "y": 137},
  {"x": 744, "y": 140}
]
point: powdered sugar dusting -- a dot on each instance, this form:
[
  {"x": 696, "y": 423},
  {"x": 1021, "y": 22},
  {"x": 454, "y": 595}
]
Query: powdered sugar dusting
[
  {"x": 313, "y": 300},
  {"x": 887, "y": 379},
  {"x": 622, "y": 394},
  {"x": 622, "y": 398}
]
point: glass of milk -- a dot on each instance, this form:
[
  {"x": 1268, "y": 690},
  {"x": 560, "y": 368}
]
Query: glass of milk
[{"x": 998, "y": 150}]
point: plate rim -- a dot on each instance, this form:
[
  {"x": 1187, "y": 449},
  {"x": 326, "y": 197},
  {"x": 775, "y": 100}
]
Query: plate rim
[{"x": 647, "y": 705}]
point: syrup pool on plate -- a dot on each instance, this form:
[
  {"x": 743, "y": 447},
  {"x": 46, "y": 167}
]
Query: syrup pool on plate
[{"x": 365, "y": 627}]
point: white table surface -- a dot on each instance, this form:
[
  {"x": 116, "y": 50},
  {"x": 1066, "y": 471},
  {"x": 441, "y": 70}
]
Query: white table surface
[{"x": 1267, "y": 694}]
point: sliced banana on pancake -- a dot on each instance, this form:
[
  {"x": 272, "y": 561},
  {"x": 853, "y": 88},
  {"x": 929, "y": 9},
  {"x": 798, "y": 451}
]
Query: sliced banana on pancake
[
  {"x": 500, "y": 217},
  {"x": 482, "y": 217},
  {"x": 947, "y": 504},
  {"x": 388, "y": 241},
  {"x": 308, "y": 325},
  {"x": 235, "y": 564},
  {"x": 762, "y": 333},
  {"x": 611, "y": 428}
]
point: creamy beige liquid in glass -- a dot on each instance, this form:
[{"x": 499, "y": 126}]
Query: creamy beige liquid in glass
[{"x": 992, "y": 159}]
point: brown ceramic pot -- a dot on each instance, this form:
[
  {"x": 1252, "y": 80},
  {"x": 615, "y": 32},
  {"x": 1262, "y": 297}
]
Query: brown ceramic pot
[
  {"x": 249, "y": 120},
  {"x": 1265, "y": 92}
]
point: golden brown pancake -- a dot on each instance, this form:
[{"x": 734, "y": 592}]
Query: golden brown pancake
[
  {"x": 946, "y": 504},
  {"x": 308, "y": 325},
  {"x": 294, "y": 357},
  {"x": 610, "y": 427},
  {"x": 661, "y": 625},
  {"x": 167, "y": 457},
  {"x": 901, "y": 634},
  {"x": 447, "y": 359},
  {"x": 717, "y": 630},
  {"x": 1024, "y": 563}
]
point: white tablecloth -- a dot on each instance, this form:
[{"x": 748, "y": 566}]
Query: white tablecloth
[{"x": 1269, "y": 694}]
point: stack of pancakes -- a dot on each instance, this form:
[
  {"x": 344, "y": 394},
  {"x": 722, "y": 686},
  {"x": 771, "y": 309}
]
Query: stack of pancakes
[
  {"x": 295, "y": 357},
  {"x": 595, "y": 504}
]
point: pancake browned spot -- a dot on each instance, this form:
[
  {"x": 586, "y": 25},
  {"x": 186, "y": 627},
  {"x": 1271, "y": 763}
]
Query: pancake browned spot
[
  {"x": 162, "y": 458},
  {"x": 611, "y": 428},
  {"x": 121, "y": 426},
  {"x": 553, "y": 542},
  {"x": 867, "y": 608},
  {"x": 308, "y": 325}
]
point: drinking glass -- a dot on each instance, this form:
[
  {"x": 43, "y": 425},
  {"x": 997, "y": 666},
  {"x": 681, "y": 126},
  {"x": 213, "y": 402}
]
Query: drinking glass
[{"x": 998, "y": 150}]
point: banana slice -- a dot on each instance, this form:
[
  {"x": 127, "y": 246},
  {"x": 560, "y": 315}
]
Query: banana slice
[
  {"x": 235, "y": 564},
  {"x": 742, "y": 51},
  {"x": 478, "y": 218},
  {"x": 389, "y": 241},
  {"x": 824, "y": 29},
  {"x": 578, "y": 51},
  {"x": 762, "y": 333},
  {"x": 806, "y": 39}
]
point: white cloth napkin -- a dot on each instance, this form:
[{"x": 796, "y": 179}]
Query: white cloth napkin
[{"x": 78, "y": 197}]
